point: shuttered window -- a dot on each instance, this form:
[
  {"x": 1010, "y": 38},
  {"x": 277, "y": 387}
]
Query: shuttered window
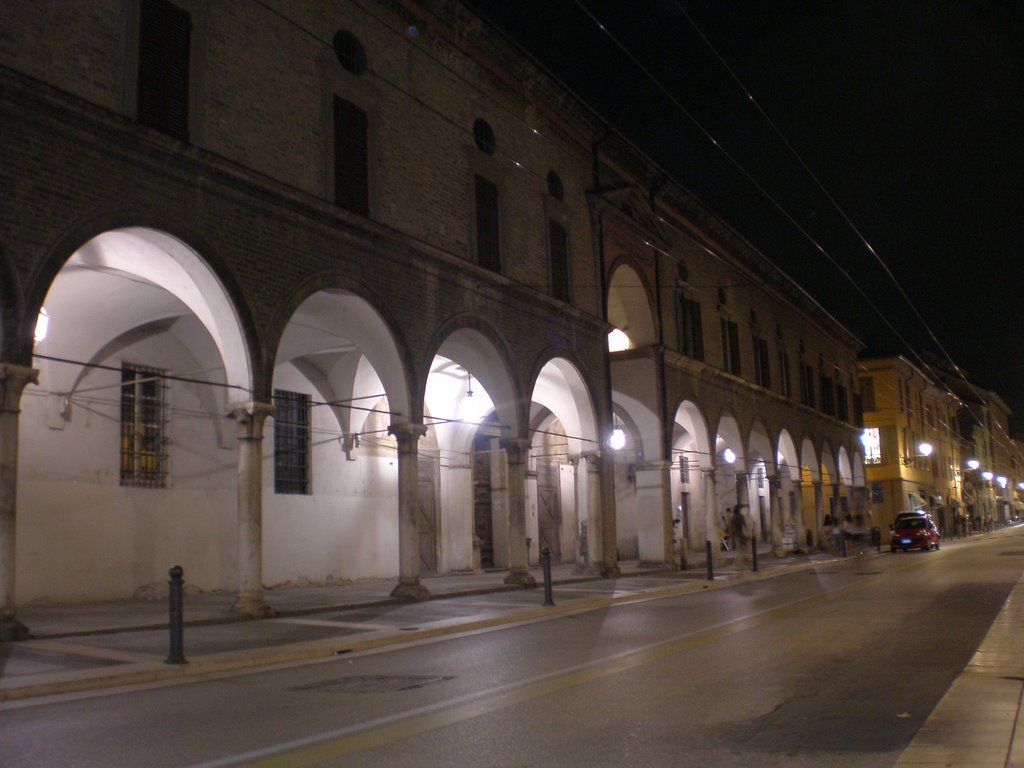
[
  {"x": 164, "y": 40},
  {"x": 351, "y": 188},
  {"x": 488, "y": 251},
  {"x": 762, "y": 369}
]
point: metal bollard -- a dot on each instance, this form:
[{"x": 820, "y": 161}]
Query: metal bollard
[
  {"x": 753, "y": 551},
  {"x": 545, "y": 564},
  {"x": 176, "y": 652},
  {"x": 711, "y": 566}
]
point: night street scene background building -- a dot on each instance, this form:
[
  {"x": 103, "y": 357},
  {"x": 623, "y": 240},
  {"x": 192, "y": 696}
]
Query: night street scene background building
[{"x": 313, "y": 292}]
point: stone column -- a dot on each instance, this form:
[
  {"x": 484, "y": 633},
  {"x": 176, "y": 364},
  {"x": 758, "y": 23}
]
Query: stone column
[
  {"x": 654, "y": 514},
  {"x": 408, "y": 436},
  {"x": 517, "y": 452},
  {"x": 778, "y": 547},
  {"x": 798, "y": 511},
  {"x": 250, "y": 418},
  {"x": 819, "y": 512},
  {"x": 711, "y": 514},
  {"x": 743, "y": 502},
  {"x": 13, "y": 379},
  {"x": 604, "y": 514},
  {"x": 838, "y": 499}
]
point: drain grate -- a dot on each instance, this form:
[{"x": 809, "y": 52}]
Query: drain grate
[{"x": 374, "y": 683}]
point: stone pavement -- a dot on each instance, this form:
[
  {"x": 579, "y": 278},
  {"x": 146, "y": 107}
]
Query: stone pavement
[{"x": 78, "y": 648}]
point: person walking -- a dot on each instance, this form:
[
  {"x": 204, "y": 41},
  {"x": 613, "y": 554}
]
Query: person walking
[{"x": 738, "y": 534}]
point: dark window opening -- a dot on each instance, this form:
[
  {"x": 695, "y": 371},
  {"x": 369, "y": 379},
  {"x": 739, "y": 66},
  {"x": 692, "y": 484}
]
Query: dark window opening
[
  {"x": 555, "y": 188},
  {"x": 762, "y": 368},
  {"x": 558, "y": 245},
  {"x": 351, "y": 172},
  {"x": 691, "y": 331},
  {"x": 164, "y": 40},
  {"x": 291, "y": 441},
  {"x": 350, "y": 52},
  {"x": 488, "y": 250},
  {"x": 731, "y": 347},
  {"x": 483, "y": 136}
]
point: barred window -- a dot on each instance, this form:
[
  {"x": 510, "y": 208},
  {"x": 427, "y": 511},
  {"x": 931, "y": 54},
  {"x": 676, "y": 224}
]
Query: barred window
[
  {"x": 291, "y": 442},
  {"x": 143, "y": 427}
]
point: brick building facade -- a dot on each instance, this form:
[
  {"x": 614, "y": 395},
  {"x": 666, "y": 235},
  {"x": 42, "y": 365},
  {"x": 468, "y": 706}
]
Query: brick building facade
[{"x": 283, "y": 248}]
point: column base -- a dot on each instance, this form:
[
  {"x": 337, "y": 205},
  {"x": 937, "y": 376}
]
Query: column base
[
  {"x": 11, "y": 629},
  {"x": 522, "y": 578},
  {"x": 411, "y": 590},
  {"x": 253, "y": 605},
  {"x": 664, "y": 565},
  {"x": 611, "y": 571}
]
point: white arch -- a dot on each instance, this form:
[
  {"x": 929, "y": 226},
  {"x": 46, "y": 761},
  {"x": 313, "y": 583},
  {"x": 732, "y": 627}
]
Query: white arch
[
  {"x": 629, "y": 309},
  {"x": 166, "y": 262}
]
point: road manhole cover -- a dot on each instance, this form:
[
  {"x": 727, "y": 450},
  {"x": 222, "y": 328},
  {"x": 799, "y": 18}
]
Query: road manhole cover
[{"x": 374, "y": 683}]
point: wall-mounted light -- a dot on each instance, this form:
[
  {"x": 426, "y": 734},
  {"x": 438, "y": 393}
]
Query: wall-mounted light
[
  {"x": 617, "y": 439},
  {"x": 42, "y": 325},
  {"x": 729, "y": 456},
  {"x": 1021, "y": 486},
  {"x": 987, "y": 475},
  {"x": 973, "y": 463},
  {"x": 1002, "y": 481},
  {"x": 924, "y": 450},
  {"x": 618, "y": 340}
]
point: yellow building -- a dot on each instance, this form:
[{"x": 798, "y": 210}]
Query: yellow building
[{"x": 911, "y": 441}]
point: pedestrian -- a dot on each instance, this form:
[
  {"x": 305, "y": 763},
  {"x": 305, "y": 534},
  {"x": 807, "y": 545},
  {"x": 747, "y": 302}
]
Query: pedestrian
[{"x": 738, "y": 534}]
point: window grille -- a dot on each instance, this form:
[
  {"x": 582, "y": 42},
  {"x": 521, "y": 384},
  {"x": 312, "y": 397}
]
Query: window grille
[
  {"x": 143, "y": 427},
  {"x": 684, "y": 469},
  {"x": 291, "y": 442}
]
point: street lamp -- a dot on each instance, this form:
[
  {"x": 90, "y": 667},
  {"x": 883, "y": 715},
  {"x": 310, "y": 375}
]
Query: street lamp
[
  {"x": 973, "y": 463},
  {"x": 924, "y": 450}
]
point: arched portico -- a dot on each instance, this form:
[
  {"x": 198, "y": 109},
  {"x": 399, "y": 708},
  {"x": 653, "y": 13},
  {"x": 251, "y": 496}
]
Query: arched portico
[
  {"x": 124, "y": 440},
  {"x": 343, "y": 433},
  {"x": 570, "y": 487}
]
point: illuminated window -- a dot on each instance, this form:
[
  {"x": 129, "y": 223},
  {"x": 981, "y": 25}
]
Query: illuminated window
[
  {"x": 872, "y": 445},
  {"x": 143, "y": 427}
]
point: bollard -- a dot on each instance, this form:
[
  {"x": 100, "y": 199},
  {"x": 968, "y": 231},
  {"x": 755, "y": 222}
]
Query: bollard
[
  {"x": 711, "y": 567},
  {"x": 842, "y": 544},
  {"x": 753, "y": 552},
  {"x": 176, "y": 652},
  {"x": 545, "y": 563}
]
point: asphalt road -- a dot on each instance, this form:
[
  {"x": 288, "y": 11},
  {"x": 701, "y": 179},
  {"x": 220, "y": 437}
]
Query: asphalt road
[{"x": 837, "y": 666}]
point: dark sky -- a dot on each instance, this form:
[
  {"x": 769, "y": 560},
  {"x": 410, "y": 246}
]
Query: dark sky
[{"x": 910, "y": 115}]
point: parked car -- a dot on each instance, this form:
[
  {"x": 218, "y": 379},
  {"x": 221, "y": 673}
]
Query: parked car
[{"x": 914, "y": 532}]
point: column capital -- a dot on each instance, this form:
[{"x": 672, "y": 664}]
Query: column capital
[
  {"x": 250, "y": 417},
  {"x": 407, "y": 434},
  {"x": 515, "y": 448},
  {"x": 13, "y": 380}
]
